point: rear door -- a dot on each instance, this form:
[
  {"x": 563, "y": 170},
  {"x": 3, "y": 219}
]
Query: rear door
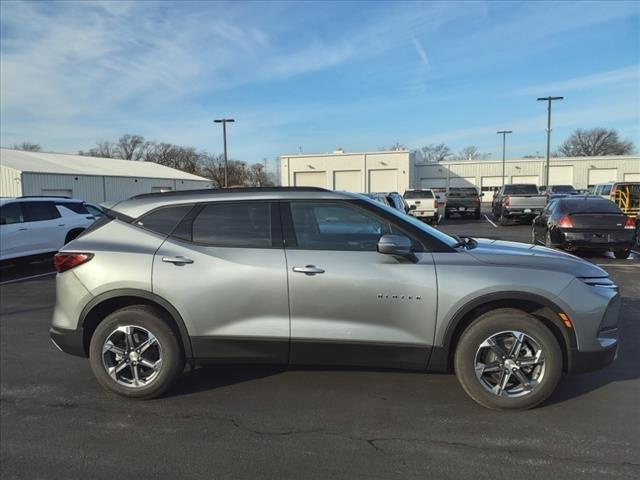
[
  {"x": 45, "y": 225},
  {"x": 351, "y": 305},
  {"x": 223, "y": 268}
]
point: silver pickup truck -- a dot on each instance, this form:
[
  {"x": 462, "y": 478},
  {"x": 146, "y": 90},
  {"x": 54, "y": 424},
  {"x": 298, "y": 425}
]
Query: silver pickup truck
[{"x": 517, "y": 201}]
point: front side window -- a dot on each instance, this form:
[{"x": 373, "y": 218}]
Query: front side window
[
  {"x": 238, "y": 224},
  {"x": 40, "y": 211},
  {"x": 337, "y": 226},
  {"x": 606, "y": 190},
  {"x": 11, "y": 213}
]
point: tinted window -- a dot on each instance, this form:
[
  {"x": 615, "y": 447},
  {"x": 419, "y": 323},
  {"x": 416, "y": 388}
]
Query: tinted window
[
  {"x": 606, "y": 190},
  {"x": 75, "y": 207},
  {"x": 165, "y": 219},
  {"x": 96, "y": 212},
  {"x": 242, "y": 224},
  {"x": 39, "y": 211},
  {"x": 521, "y": 190},
  {"x": 591, "y": 205},
  {"x": 563, "y": 189},
  {"x": 10, "y": 213},
  {"x": 336, "y": 226},
  {"x": 418, "y": 194},
  {"x": 463, "y": 192}
]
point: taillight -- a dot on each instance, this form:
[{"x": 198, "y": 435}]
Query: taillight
[
  {"x": 565, "y": 222},
  {"x": 435, "y": 203},
  {"x": 477, "y": 200},
  {"x": 507, "y": 201},
  {"x": 630, "y": 223},
  {"x": 67, "y": 261}
]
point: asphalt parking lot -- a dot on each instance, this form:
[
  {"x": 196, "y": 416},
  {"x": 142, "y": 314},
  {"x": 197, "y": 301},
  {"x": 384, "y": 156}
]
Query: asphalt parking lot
[{"x": 307, "y": 423}]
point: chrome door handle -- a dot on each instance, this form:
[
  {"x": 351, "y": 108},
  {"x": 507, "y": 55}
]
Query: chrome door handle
[
  {"x": 61, "y": 224},
  {"x": 308, "y": 270},
  {"x": 177, "y": 260},
  {"x": 22, "y": 229}
]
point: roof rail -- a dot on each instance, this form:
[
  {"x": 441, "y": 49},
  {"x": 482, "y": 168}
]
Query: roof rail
[
  {"x": 239, "y": 190},
  {"x": 45, "y": 196}
]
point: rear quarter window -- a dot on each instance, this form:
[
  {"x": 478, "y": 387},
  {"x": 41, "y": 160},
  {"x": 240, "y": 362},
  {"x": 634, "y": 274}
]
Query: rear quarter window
[
  {"x": 75, "y": 207},
  {"x": 163, "y": 220}
]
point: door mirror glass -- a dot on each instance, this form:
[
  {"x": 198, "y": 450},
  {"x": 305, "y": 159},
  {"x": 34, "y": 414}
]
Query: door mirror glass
[
  {"x": 395, "y": 245},
  {"x": 412, "y": 207}
]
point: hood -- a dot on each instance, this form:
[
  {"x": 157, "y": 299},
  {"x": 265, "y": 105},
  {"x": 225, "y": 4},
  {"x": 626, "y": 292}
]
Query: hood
[{"x": 500, "y": 252}]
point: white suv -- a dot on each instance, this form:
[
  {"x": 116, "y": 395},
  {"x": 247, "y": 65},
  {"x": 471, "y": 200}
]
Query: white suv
[{"x": 39, "y": 225}]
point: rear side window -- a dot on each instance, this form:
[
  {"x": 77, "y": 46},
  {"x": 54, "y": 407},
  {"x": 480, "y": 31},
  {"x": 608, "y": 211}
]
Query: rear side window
[
  {"x": 418, "y": 194},
  {"x": 163, "y": 220},
  {"x": 75, "y": 207},
  {"x": 241, "y": 224},
  {"x": 40, "y": 211},
  {"x": 11, "y": 213}
]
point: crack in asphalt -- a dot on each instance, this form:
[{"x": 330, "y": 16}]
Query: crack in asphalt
[{"x": 372, "y": 442}]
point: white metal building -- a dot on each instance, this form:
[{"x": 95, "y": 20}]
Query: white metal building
[
  {"x": 90, "y": 178},
  {"x": 399, "y": 170}
]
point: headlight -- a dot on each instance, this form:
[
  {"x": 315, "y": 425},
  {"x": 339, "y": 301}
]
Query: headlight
[{"x": 600, "y": 282}]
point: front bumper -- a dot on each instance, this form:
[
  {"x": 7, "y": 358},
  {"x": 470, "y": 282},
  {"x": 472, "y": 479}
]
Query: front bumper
[
  {"x": 582, "y": 362},
  {"x": 68, "y": 341}
]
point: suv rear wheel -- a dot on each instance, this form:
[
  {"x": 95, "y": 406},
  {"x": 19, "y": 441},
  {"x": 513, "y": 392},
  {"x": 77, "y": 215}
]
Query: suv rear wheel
[
  {"x": 507, "y": 359},
  {"x": 134, "y": 353}
]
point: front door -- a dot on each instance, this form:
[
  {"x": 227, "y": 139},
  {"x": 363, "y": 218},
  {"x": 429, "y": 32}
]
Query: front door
[
  {"x": 223, "y": 269},
  {"x": 351, "y": 305}
]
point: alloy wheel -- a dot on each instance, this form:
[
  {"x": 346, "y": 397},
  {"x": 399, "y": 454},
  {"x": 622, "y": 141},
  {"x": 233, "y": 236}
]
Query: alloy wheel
[
  {"x": 510, "y": 364},
  {"x": 132, "y": 356}
]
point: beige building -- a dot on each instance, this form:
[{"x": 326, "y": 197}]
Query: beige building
[{"x": 398, "y": 170}]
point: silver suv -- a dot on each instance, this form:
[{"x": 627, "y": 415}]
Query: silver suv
[{"x": 310, "y": 276}]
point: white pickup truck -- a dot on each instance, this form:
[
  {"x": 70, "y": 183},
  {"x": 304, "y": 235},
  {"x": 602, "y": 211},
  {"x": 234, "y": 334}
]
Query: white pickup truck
[
  {"x": 423, "y": 204},
  {"x": 517, "y": 201}
]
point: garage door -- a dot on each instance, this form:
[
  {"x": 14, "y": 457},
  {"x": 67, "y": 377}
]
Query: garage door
[
  {"x": 561, "y": 175},
  {"x": 461, "y": 182},
  {"x": 383, "y": 180},
  {"x": 525, "y": 179},
  {"x": 310, "y": 179},
  {"x": 632, "y": 177},
  {"x": 349, "y": 180},
  {"x": 602, "y": 175},
  {"x": 433, "y": 183},
  {"x": 492, "y": 183}
]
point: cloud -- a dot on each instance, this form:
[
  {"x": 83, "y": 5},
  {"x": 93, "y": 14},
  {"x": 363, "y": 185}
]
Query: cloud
[
  {"x": 420, "y": 51},
  {"x": 621, "y": 75}
]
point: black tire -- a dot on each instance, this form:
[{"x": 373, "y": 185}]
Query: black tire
[
  {"x": 152, "y": 320},
  {"x": 504, "y": 221},
  {"x": 477, "y": 215},
  {"x": 495, "y": 322},
  {"x": 622, "y": 254},
  {"x": 446, "y": 214}
]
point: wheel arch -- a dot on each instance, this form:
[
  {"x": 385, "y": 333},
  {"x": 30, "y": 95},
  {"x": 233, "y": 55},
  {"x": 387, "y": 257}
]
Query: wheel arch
[
  {"x": 104, "y": 304},
  {"x": 540, "y": 307}
]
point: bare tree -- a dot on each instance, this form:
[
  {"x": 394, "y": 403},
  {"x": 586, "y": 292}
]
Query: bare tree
[
  {"x": 102, "y": 149},
  {"x": 595, "y": 142},
  {"x": 28, "y": 147},
  {"x": 396, "y": 147},
  {"x": 131, "y": 147},
  {"x": 470, "y": 153},
  {"x": 436, "y": 153}
]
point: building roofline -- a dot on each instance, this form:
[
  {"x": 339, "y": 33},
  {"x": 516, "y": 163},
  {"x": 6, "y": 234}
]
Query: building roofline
[
  {"x": 342, "y": 154},
  {"x": 541, "y": 159}
]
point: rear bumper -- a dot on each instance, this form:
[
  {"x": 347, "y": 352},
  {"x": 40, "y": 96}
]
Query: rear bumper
[
  {"x": 68, "y": 341},
  {"x": 522, "y": 212},
  {"x": 595, "y": 240},
  {"x": 462, "y": 208},
  {"x": 424, "y": 214}
]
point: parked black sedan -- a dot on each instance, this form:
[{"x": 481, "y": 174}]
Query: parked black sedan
[{"x": 587, "y": 222}]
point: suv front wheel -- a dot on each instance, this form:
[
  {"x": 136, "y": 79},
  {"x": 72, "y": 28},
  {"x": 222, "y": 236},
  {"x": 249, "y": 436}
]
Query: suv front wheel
[
  {"x": 507, "y": 359},
  {"x": 135, "y": 353}
]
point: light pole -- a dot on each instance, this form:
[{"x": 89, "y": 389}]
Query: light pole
[
  {"x": 548, "y": 100},
  {"x": 504, "y": 141},
  {"x": 224, "y": 122}
]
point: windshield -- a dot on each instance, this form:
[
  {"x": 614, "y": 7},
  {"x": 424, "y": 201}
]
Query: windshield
[
  {"x": 563, "y": 188},
  {"x": 411, "y": 194},
  {"x": 434, "y": 232},
  {"x": 521, "y": 190}
]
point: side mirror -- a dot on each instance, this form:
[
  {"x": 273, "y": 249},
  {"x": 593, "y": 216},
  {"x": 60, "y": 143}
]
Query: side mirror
[
  {"x": 412, "y": 207},
  {"x": 395, "y": 245}
]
